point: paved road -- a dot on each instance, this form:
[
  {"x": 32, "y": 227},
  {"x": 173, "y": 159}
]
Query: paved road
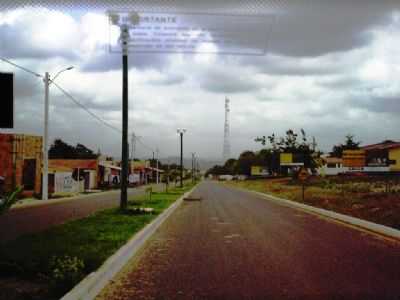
[
  {"x": 37, "y": 218},
  {"x": 236, "y": 245}
]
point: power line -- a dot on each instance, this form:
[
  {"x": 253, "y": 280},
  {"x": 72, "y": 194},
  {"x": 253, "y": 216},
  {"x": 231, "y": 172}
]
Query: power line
[
  {"x": 86, "y": 109},
  {"x": 22, "y": 68},
  {"x": 144, "y": 145},
  {"x": 69, "y": 96}
]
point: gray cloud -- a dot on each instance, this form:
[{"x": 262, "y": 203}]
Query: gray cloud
[
  {"x": 310, "y": 79},
  {"x": 380, "y": 104},
  {"x": 15, "y": 43},
  {"x": 223, "y": 81},
  {"x": 105, "y": 61}
]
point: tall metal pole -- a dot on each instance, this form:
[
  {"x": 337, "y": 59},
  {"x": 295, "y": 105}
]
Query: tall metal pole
[
  {"x": 157, "y": 151},
  {"x": 181, "y": 133},
  {"x": 125, "y": 150},
  {"x": 193, "y": 167},
  {"x": 45, "y": 171},
  {"x": 134, "y": 139}
]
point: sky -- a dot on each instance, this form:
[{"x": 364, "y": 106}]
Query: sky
[{"x": 330, "y": 67}]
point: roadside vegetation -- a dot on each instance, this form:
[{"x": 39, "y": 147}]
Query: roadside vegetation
[
  {"x": 375, "y": 199},
  {"x": 9, "y": 199},
  {"x": 48, "y": 264}
]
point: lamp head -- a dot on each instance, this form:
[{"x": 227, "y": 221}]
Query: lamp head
[
  {"x": 114, "y": 18},
  {"x": 134, "y": 18}
]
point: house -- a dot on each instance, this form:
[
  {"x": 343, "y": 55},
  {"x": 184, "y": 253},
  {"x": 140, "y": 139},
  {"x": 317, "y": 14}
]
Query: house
[
  {"x": 332, "y": 166},
  {"x": 383, "y": 156},
  {"x": 83, "y": 170},
  {"x": 21, "y": 162},
  {"x": 142, "y": 172},
  {"x": 61, "y": 180},
  {"x": 109, "y": 172},
  {"x": 259, "y": 171}
]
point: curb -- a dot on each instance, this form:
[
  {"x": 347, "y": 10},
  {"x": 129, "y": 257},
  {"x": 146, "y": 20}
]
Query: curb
[
  {"x": 366, "y": 225},
  {"x": 93, "y": 283}
]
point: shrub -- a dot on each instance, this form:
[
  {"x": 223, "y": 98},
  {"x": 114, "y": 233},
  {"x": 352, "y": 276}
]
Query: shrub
[
  {"x": 9, "y": 200},
  {"x": 66, "y": 271}
]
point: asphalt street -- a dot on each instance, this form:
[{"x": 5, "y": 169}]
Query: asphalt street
[
  {"x": 237, "y": 245},
  {"x": 30, "y": 219}
]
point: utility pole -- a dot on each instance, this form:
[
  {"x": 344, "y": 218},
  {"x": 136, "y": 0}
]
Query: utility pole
[
  {"x": 193, "y": 166},
  {"x": 166, "y": 176},
  {"x": 157, "y": 166},
  {"x": 45, "y": 172},
  {"x": 314, "y": 144},
  {"x": 134, "y": 139},
  {"x": 181, "y": 132},
  {"x": 132, "y": 146},
  {"x": 47, "y": 81},
  {"x": 124, "y": 162},
  {"x": 152, "y": 166}
]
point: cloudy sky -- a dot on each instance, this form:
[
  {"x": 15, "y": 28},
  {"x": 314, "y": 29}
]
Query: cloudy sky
[{"x": 330, "y": 68}]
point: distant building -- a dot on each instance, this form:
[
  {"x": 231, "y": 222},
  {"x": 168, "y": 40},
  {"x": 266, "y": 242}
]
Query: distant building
[
  {"x": 68, "y": 171},
  {"x": 331, "y": 166},
  {"x": 385, "y": 154},
  {"x": 21, "y": 162},
  {"x": 376, "y": 158},
  {"x": 259, "y": 171},
  {"x": 109, "y": 173}
]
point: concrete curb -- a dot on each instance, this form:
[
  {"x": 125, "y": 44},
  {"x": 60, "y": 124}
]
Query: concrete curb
[
  {"x": 367, "y": 225},
  {"x": 92, "y": 284}
]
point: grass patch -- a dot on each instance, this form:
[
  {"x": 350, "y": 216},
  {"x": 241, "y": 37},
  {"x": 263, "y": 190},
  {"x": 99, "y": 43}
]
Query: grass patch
[
  {"x": 364, "y": 198},
  {"x": 78, "y": 247}
]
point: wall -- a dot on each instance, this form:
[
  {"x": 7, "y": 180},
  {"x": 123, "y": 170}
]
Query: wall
[
  {"x": 394, "y": 154},
  {"x": 74, "y": 163},
  {"x": 82, "y": 164},
  {"x": 6, "y": 161},
  {"x": 15, "y": 149}
]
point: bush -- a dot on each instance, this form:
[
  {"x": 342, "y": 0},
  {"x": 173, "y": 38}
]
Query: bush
[
  {"x": 66, "y": 271},
  {"x": 9, "y": 200}
]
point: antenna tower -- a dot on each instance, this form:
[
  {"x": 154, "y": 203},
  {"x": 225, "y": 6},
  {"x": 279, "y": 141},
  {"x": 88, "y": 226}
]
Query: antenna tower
[{"x": 227, "y": 146}]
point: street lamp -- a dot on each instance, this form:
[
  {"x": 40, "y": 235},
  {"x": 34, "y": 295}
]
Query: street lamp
[
  {"x": 181, "y": 131},
  {"x": 47, "y": 81},
  {"x": 116, "y": 20},
  {"x": 193, "y": 165},
  {"x": 157, "y": 174},
  {"x": 45, "y": 173}
]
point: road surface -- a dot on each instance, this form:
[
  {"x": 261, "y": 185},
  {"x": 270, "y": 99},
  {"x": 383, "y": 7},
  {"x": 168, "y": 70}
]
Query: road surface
[
  {"x": 237, "y": 245},
  {"x": 30, "y": 219}
]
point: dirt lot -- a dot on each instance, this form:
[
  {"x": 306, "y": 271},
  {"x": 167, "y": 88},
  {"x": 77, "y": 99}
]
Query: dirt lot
[{"x": 376, "y": 199}]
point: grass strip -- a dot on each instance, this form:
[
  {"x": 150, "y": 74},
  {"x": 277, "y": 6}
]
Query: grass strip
[{"x": 64, "y": 254}]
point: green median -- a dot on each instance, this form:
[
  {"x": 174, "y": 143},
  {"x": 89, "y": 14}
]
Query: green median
[{"x": 46, "y": 265}]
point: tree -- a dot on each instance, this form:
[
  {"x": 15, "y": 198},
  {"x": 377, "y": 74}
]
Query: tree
[
  {"x": 288, "y": 144},
  {"x": 230, "y": 166},
  {"x": 62, "y": 150},
  {"x": 350, "y": 144},
  {"x": 82, "y": 152},
  {"x": 244, "y": 163},
  {"x": 216, "y": 170}
]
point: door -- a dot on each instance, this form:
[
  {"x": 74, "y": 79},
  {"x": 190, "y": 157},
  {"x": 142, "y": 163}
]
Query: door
[{"x": 29, "y": 174}]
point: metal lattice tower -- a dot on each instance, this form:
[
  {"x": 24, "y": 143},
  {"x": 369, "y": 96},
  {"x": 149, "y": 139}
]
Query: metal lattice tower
[{"x": 227, "y": 146}]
